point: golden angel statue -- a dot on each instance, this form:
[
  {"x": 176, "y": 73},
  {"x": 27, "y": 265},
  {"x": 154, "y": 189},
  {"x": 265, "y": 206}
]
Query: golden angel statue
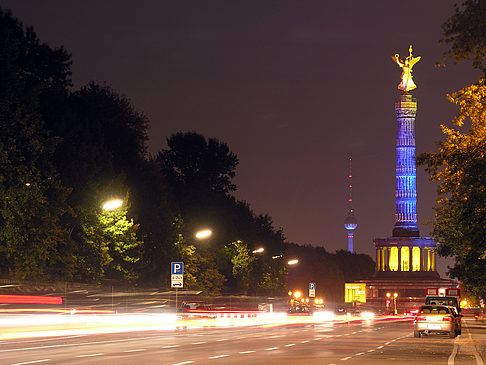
[{"x": 407, "y": 83}]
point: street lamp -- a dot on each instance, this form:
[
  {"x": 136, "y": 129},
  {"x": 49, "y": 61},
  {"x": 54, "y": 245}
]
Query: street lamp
[
  {"x": 112, "y": 204},
  {"x": 395, "y": 295},
  {"x": 293, "y": 262},
  {"x": 205, "y": 233},
  {"x": 388, "y": 295},
  {"x": 258, "y": 250}
]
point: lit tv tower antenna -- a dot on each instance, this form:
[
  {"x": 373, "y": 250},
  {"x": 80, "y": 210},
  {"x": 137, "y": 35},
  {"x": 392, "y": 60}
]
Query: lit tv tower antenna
[{"x": 350, "y": 223}]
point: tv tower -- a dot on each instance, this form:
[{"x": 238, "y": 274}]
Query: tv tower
[{"x": 350, "y": 223}]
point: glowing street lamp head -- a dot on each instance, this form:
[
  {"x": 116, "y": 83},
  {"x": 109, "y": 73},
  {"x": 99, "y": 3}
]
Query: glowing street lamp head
[
  {"x": 293, "y": 262},
  {"x": 205, "y": 233},
  {"x": 258, "y": 250},
  {"x": 112, "y": 204}
]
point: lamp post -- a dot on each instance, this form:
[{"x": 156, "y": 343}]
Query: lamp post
[
  {"x": 110, "y": 205},
  {"x": 395, "y": 295},
  {"x": 388, "y": 295}
]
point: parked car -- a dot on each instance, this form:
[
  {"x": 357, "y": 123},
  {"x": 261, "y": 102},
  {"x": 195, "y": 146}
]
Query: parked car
[{"x": 437, "y": 319}]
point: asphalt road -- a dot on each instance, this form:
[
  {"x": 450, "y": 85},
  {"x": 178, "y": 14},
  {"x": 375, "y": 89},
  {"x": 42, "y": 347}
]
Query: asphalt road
[{"x": 367, "y": 342}]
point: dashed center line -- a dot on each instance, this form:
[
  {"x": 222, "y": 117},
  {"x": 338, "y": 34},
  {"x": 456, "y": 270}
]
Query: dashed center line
[
  {"x": 184, "y": 362},
  {"x": 271, "y": 348},
  {"x": 170, "y": 346},
  {"x": 217, "y": 356},
  {"x": 380, "y": 347},
  {"x": 359, "y": 354},
  {"x": 305, "y": 341},
  {"x": 290, "y": 345},
  {"x": 198, "y": 343},
  {"x": 222, "y": 339},
  {"x": 134, "y": 350},
  {"x": 31, "y": 362},
  {"x": 345, "y": 358},
  {"x": 91, "y": 355},
  {"x": 247, "y": 352}
]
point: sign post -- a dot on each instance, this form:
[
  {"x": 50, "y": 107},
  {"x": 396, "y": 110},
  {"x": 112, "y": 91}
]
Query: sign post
[
  {"x": 312, "y": 290},
  {"x": 176, "y": 278}
]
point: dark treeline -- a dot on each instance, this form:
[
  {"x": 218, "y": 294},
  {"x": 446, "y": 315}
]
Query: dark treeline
[
  {"x": 65, "y": 151},
  {"x": 328, "y": 270}
]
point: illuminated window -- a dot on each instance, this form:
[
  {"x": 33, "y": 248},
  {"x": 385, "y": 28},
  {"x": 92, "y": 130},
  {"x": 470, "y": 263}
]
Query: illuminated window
[
  {"x": 405, "y": 256},
  {"x": 416, "y": 259},
  {"x": 393, "y": 263}
]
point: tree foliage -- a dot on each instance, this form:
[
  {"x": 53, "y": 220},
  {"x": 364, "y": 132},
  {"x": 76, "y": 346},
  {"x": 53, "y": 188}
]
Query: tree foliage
[
  {"x": 465, "y": 33},
  {"x": 33, "y": 242},
  {"x": 460, "y": 168},
  {"x": 329, "y": 271}
]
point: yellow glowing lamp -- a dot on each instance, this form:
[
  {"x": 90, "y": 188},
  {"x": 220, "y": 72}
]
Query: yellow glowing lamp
[
  {"x": 205, "y": 233},
  {"x": 112, "y": 204},
  {"x": 297, "y": 294}
]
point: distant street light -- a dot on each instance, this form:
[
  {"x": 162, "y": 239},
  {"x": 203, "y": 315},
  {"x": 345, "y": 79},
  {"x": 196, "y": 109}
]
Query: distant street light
[
  {"x": 112, "y": 204},
  {"x": 293, "y": 262},
  {"x": 258, "y": 250},
  {"x": 395, "y": 295},
  {"x": 205, "y": 233},
  {"x": 277, "y": 257}
]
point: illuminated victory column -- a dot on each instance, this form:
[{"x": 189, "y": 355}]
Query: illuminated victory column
[
  {"x": 405, "y": 253},
  {"x": 350, "y": 223}
]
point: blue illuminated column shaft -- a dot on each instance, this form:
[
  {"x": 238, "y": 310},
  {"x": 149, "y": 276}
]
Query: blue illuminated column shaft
[{"x": 406, "y": 174}]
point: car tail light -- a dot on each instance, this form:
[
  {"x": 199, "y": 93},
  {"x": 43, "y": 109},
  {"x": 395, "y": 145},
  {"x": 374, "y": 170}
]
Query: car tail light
[
  {"x": 447, "y": 318},
  {"x": 420, "y": 318}
]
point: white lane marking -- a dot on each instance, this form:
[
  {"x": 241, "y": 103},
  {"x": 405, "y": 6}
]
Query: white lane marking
[
  {"x": 217, "y": 356},
  {"x": 359, "y": 353},
  {"x": 452, "y": 356},
  {"x": 387, "y": 343},
  {"x": 304, "y": 341},
  {"x": 479, "y": 360},
  {"x": 380, "y": 347},
  {"x": 354, "y": 332},
  {"x": 338, "y": 335},
  {"x": 222, "y": 339},
  {"x": 198, "y": 343},
  {"x": 31, "y": 362},
  {"x": 134, "y": 350},
  {"x": 247, "y": 352},
  {"x": 83, "y": 343},
  {"x": 345, "y": 358},
  {"x": 91, "y": 355},
  {"x": 184, "y": 362},
  {"x": 170, "y": 346},
  {"x": 317, "y": 339},
  {"x": 271, "y": 348},
  {"x": 46, "y": 339},
  {"x": 290, "y": 345},
  {"x": 371, "y": 350}
]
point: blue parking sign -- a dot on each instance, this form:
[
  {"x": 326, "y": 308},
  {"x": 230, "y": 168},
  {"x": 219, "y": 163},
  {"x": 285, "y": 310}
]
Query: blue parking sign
[
  {"x": 312, "y": 286},
  {"x": 177, "y": 268}
]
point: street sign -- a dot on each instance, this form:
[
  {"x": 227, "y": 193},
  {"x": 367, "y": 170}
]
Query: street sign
[
  {"x": 177, "y": 274},
  {"x": 354, "y": 292},
  {"x": 177, "y": 268},
  {"x": 312, "y": 290}
]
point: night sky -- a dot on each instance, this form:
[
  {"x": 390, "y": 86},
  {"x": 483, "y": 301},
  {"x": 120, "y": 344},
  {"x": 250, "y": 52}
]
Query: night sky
[{"x": 294, "y": 88}]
